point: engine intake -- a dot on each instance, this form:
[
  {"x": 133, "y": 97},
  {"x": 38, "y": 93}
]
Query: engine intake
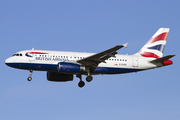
[{"x": 65, "y": 67}]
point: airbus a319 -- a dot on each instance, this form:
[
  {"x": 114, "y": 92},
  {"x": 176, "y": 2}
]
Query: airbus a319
[{"x": 62, "y": 65}]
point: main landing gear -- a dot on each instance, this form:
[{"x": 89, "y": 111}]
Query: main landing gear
[
  {"x": 30, "y": 74},
  {"x": 89, "y": 78},
  {"x": 82, "y": 83}
]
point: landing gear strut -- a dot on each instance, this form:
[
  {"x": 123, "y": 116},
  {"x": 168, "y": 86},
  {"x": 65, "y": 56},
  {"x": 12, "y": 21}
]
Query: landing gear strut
[
  {"x": 81, "y": 83},
  {"x": 30, "y": 74}
]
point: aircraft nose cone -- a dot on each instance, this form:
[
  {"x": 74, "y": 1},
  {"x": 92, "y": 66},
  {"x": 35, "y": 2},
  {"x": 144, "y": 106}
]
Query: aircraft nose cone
[
  {"x": 11, "y": 62},
  {"x": 8, "y": 61}
]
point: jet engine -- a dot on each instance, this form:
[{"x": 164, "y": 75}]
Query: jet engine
[
  {"x": 65, "y": 67},
  {"x": 58, "y": 77}
]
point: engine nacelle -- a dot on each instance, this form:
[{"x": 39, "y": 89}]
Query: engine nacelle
[
  {"x": 58, "y": 77},
  {"x": 65, "y": 67}
]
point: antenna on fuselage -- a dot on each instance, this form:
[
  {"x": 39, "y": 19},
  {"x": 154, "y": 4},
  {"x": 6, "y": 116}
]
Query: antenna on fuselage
[{"x": 32, "y": 48}]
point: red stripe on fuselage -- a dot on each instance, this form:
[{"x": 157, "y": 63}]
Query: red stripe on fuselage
[{"x": 36, "y": 53}]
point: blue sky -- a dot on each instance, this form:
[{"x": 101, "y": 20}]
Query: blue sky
[{"x": 88, "y": 26}]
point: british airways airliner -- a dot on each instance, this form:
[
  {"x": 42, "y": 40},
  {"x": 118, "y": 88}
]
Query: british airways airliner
[{"x": 61, "y": 65}]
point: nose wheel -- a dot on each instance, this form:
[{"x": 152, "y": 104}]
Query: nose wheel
[
  {"x": 29, "y": 78},
  {"x": 30, "y": 74}
]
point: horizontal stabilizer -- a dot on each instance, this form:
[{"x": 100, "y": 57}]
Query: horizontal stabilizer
[{"x": 162, "y": 59}]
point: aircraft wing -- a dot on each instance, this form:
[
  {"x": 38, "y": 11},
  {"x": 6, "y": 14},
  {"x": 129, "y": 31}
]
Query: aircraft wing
[{"x": 95, "y": 59}]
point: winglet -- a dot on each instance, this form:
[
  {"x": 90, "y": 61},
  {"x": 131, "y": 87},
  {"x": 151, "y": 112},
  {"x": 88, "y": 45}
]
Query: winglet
[{"x": 125, "y": 45}]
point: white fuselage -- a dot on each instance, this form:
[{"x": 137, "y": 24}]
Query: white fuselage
[{"x": 44, "y": 60}]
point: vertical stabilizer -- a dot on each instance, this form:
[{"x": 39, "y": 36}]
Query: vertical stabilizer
[{"x": 155, "y": 46}]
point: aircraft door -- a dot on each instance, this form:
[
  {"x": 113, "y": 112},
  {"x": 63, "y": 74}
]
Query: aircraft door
[{"x": 135, "y": 61}]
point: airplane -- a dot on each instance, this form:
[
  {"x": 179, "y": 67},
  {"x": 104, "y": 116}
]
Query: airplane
[{"x": 62, "y": 65}]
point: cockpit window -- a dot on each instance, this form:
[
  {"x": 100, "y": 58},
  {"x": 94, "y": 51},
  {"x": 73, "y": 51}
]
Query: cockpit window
[{"x": 17, "y": 54}]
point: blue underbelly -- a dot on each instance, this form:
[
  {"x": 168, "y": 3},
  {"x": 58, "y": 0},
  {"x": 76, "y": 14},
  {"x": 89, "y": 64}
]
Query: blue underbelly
[{"x": 53, "y": 67}]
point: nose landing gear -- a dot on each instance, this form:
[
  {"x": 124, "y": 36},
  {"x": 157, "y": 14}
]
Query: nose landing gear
[{"x": 30, "y": 74}]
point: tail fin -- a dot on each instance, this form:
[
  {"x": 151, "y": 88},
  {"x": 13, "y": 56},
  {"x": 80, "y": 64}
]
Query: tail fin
[{"x": 155, "y": 46}]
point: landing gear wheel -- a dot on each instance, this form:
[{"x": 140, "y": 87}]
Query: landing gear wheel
[
  {"x": 30, "y": 74},
  {"x": 29, "y": 78},
  {"x": 81, "y": 84},
  {"x": 89, "y": 78}
]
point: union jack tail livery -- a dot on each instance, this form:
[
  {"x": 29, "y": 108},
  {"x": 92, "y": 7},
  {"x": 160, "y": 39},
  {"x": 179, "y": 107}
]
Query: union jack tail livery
[{"x": 155, "y": 46}]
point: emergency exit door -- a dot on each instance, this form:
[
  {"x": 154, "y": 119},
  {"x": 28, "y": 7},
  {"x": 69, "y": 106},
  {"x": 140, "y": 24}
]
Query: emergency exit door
[{"x": 135, "y": 61}]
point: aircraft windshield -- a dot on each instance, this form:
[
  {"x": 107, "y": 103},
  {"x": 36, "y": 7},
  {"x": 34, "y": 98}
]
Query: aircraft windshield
[{"x": 17, "y": 54}]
